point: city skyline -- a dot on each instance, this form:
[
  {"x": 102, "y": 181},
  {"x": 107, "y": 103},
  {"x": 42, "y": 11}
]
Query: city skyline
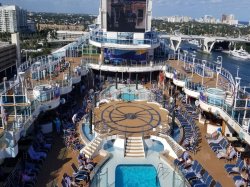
[{"x": 160, "y": 7}]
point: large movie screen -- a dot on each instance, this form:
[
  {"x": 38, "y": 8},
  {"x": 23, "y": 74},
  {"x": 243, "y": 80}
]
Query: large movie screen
[{"x": 126, "y": 15}]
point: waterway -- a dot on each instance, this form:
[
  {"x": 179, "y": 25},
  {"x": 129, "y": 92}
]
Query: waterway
[{"x": 230, "y": 63}]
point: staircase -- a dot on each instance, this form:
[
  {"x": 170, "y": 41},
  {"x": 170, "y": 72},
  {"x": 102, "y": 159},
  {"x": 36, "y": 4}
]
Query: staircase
[
  {"x": 173, "y": 144},
  {"x": 229, "y": 100},
  {"x": 134, "y": 147},
  {"x": 93, "y": 147}
]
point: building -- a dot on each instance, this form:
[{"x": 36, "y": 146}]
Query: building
[
  {"x": 60, "y": 27},
  {"x": 31, "y": 26},
  {"x": 7, "y": 60},
  {"x": 209, "y": 19},
  {"x": 229, "y": 19},
  {"x": 12, "y": 19},
  {"x": 69, "y": 35},
  {"x": 176, "y": 19},
  {"x": 10, "y": 57}
]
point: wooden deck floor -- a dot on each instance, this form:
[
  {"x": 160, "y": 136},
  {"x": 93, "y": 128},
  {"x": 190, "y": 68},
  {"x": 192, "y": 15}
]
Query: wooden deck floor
[
  {"x": 208, "y": 82},
  {"x": 214, "y": 166},
  {"x": 57, "y": 163},
  {"x": 133, "y": 118}
]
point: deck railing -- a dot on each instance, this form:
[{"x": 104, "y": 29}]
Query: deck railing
[{"x": 238, "y": 113}]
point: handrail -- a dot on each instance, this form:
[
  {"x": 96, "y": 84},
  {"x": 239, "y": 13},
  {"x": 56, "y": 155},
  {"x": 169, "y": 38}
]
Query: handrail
[{"x": 210, "y": 65}]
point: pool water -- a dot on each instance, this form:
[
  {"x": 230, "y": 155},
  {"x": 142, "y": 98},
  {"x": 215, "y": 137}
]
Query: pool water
[
  {"x": 86, "y": 130},
  {"x": 127, "y": 92},
  {"x": 128, "y": 96},
  {"x": 136, "y": 176},
  {"x": 153, "y": 145}
]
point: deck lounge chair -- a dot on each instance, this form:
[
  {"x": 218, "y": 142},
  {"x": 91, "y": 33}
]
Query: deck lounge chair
[
  {"x": 206, "y": 183},
  {"x": 210, "y": 141},
  {"x": 201, "y": 180},
  {"x": 232, "y": 170},
  {"x": 227, "y": 166},
  {"x": 194, "y": 174}
]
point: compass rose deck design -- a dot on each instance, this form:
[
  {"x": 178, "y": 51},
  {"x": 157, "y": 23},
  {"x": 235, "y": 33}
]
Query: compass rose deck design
[{"x": 130, "y": 117}]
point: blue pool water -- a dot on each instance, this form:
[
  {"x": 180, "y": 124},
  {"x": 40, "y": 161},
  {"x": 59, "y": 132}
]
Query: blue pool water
[
  {"x": 153, "y": 145},
  {"x": 136, "y": 176},
  {"x": 85, "y": 129},
  {"x": 128, "y": 96}
]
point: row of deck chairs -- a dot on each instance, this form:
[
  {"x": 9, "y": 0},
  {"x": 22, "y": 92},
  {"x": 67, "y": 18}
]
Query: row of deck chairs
[
  {"x": 191, "y": 110},
  {"x": 220, "y": 145},
  {"x": 195, "y": 174},
  {"x": 230, "y": 168},
  {"x": 26, "y": 172},
  {"x": 70, "y": 136},
  {"x": 191, "y": 132}
]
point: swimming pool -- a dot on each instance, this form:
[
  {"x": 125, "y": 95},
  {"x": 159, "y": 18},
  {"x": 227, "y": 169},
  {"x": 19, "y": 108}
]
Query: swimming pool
[
  {"x": 86, "y": 130},
  {"x": 127, "y": 92},
  {"x": 136, "y": 176},
  {"x": 128, "y": 97}
]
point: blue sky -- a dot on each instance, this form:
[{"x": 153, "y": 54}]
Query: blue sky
[{"x": 193, "y": 8}]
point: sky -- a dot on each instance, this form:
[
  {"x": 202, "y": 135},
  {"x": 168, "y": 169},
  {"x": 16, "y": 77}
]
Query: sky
[{"x": 192, "y": 8}]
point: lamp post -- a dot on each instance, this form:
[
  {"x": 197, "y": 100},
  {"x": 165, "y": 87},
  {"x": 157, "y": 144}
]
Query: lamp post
[
  {"x": 218, "y": 68},
  {"x": 136, "y": 81},
  {"x": 173, "y": 112},
  {"x": 50, "y": 68},
  {"x": 100, "y": 64},
  {"x": 218, "y": 71},
  {"x": 237, "y": 86},
  {"x": 90, "y": 121},
  {"x": 185, "y": 58},
  {"x": 21, "y": 75},
  {"x": 38, "y": 73},
  {"x": 151, "y": 65},
  {"x": 193, "y": 65},
  {"x": 116, "y": 83},
  {"x": 203, "y": 71}
]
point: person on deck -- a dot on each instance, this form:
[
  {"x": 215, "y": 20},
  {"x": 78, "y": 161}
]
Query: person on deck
[{"x": 215, "y": 135}]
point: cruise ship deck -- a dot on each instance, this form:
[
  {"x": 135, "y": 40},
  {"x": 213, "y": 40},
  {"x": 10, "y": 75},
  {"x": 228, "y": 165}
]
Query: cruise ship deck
[{"x": 116, "y": 108}]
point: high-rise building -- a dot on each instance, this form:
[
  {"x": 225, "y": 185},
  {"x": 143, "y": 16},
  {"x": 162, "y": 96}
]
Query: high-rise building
[
  {"x": 12, "y": 19},
  {"x": 229, "y": 19}
]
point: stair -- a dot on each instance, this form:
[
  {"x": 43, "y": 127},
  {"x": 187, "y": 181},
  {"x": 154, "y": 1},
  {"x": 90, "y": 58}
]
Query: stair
[
  {"x": 93, "y": 147},
  {"x": 134, "y": 147},
  {"x": 173, "y": 144}
]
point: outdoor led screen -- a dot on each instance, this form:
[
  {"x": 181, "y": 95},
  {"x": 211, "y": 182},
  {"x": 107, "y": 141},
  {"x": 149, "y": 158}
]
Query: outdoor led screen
[{"x": 126, "y": 15}]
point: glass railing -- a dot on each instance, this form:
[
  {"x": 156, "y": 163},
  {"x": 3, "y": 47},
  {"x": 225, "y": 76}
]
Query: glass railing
[
  {"x": 203, "y": 73},
  {"x": 47, "y": 96},
  {"x": 123, "y": 41},
  {"x": 64, "y": 83},
  {"x": 13, "y": 99},
  {"x": 235, "y": 113},
  {"x": 193, "y": 86},
  {"x": 169, "y": 69},
  {"x": 242, "y": 103},
  {"x": 209, "y": 65},
  {"x": 180, "y": 76},
  {"x": 124, "y": 62}
]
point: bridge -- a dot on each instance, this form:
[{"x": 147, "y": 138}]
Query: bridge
[{"x": 207, "y": 42}]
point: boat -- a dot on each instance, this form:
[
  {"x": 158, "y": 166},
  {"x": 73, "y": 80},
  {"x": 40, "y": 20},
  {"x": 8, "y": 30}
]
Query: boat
[
  {"x": 241, "y": 53},
  {"x": 194, "y": 42}
]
